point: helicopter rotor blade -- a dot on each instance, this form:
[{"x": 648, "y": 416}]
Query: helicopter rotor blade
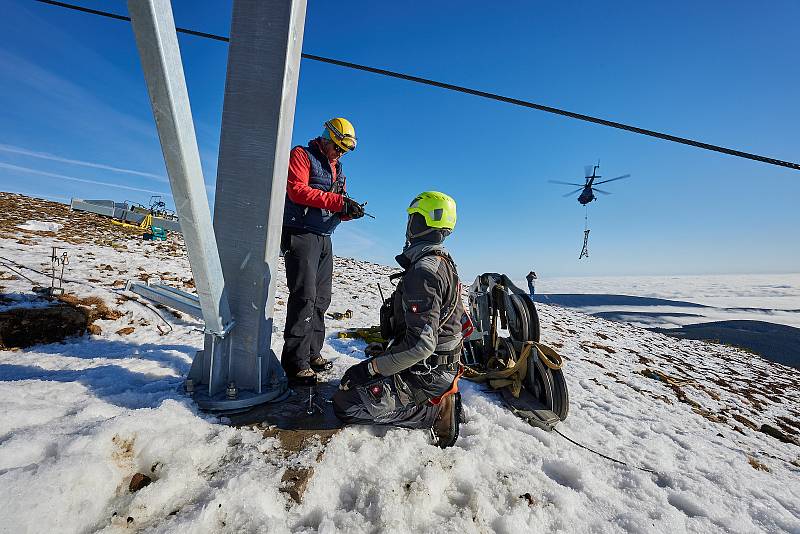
[
  {"x": 564, "y": 183},
  {"x": 600, "y": 191},
  {"x": 612, "y": 179},
  {"x": 573, "y": 192}
]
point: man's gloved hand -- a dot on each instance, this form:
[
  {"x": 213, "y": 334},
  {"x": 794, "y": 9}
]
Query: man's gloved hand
[
  {"x": 356, "y": 375},
  {"x": 352, "y": 209}
]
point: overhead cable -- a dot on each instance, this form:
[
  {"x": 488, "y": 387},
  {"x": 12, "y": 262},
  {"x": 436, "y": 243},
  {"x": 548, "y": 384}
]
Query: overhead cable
[{"x": 476, "y": 92}]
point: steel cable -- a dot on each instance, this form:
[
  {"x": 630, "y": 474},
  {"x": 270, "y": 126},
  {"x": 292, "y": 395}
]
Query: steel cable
[
  {"x": 147, "y": 305},
  {"x": 476, "y": 92},
  {"x": 582, "y": 446}
]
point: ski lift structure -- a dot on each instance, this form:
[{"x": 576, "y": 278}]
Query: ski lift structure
[{"x": 586, "y": 195}]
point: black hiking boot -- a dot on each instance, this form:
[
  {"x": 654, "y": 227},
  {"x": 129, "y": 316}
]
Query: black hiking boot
[
  {"x": 303, "y": 377},
  {"x": 320, "y": 364},
  {"x": 445, "y": 428}
]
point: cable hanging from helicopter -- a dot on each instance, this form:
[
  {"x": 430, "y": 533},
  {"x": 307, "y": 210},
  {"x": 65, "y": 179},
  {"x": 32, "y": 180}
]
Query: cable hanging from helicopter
[{"x": 587, "y": 190}]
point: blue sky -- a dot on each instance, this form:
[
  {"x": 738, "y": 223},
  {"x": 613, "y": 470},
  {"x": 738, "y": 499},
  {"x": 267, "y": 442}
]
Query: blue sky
[{"x": 75, "y": 121}]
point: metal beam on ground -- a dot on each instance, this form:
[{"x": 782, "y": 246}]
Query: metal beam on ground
[{"x": 168, "y": 296}]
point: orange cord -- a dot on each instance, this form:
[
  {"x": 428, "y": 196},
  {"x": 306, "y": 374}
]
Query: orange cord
[{"x": 453, "y": 388}]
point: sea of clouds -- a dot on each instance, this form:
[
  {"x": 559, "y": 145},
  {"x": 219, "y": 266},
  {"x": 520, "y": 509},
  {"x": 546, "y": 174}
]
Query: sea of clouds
[{"x": 764, "y": 297}]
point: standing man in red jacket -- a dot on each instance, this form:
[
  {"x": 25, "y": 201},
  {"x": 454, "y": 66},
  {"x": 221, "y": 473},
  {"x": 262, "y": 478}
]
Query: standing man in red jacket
[{"x": 316, "y": 202}]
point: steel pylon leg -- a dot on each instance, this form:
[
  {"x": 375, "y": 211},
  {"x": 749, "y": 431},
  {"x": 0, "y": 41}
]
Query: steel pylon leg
[{"x": 237, "y": 368}]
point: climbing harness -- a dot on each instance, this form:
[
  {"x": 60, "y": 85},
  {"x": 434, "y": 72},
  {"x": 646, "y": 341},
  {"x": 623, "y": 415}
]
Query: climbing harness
[{"x": 585, "y": 249}]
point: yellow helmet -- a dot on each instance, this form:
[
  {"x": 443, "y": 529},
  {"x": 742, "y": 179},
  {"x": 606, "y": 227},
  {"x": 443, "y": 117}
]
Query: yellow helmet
[
  {"x": 341, "y": 132},
  {"x": 438, "y": 209}
]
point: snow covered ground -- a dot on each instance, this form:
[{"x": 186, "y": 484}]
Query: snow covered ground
[
  {"x": 40, "y": 226},
  {"x": 79, "y": 419},
  {"x": 773, "y": 298}
]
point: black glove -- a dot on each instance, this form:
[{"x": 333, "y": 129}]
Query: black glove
[
  {"x": 352, "y": 209},
  {"x": 375, "y": 349},
  {"x": 356, "y": 375}
]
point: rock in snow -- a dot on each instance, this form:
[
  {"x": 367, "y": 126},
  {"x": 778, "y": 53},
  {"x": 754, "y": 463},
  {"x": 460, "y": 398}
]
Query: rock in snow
[{"x": 79, "y": 420}]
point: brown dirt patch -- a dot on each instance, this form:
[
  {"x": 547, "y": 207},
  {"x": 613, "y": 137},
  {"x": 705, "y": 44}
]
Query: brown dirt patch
[
  {"x": 758, "y": 466},
  {"x": 745, "y": 421},
  {"x": 25, "y": 327},
  {"x": 295, "y": 481},
  {"x": 609, "y": 350},
  {"x": 293, "y": 441},
  {"x": 95, "y": 306},
  {"x": 64, "y": 316},
  {"x": 777, "y": 434},
  {"x": 139, "y": 481},
  {"x": 123, "y": 450}
]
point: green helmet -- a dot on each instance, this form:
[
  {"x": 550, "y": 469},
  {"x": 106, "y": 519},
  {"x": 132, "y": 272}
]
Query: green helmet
[{"x": 438, "y": 209}]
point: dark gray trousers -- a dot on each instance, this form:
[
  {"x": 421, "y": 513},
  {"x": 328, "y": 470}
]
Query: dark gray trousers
[
  {"x": 309, "y": 275},
  {"x": 397, "y": 400}
]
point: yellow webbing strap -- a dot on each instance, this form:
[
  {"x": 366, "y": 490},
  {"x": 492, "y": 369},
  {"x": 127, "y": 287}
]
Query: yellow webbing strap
[
  {"x": 513, "y": 376},
  {"x": 549, "y": 357}
]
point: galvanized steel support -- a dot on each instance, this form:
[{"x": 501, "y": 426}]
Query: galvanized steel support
[
  {"x": 157, "y": 42},
  {"x": 257, "y": 121},
  {"x": 237, "y": 368}
]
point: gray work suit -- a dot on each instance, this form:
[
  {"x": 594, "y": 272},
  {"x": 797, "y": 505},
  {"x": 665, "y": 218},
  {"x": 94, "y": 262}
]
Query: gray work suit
[{"x": 432, "y": 324}]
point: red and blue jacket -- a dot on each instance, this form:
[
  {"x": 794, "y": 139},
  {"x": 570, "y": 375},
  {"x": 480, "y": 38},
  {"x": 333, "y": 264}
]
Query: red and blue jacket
[{"x": 314, "y": 190}]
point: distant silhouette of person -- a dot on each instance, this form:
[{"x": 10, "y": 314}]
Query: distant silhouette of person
[{"x": 530, "y": 278}]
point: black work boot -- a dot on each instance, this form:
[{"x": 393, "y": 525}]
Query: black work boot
[
  {"x": 445, "y": 428},
  {"x": 320, "y": 364}
]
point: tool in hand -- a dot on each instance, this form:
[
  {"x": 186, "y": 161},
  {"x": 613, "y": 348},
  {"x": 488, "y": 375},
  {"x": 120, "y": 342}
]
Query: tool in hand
[{"x": 367, "y": 214}]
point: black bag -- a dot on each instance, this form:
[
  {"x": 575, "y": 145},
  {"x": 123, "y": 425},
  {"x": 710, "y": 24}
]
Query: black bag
[{"x": 387, "y": 317}]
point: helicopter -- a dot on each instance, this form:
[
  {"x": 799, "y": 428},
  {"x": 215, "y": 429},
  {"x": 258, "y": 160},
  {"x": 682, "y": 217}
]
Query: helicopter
[{"x": 587, "y": 190}]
